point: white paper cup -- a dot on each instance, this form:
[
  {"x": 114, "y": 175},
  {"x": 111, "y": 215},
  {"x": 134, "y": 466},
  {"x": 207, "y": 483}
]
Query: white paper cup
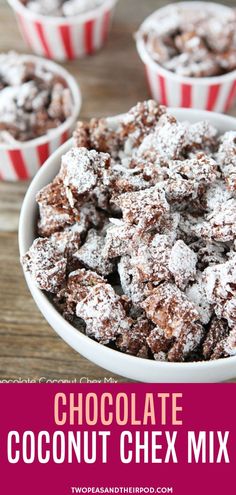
[
  {"x": 62, "y": 38},
  {"x": 21, "y": 161},
  {"x": 205, "y": 93}
]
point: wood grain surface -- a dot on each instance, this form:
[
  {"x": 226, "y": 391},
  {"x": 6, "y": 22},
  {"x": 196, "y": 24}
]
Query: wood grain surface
[{"x": 111, "y": 82}]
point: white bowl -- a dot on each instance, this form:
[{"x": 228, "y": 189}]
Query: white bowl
[
  {"x": 128, "y": 366},
  {"x": 215, "y": 93},
  {"x": 22, "y": 160}
]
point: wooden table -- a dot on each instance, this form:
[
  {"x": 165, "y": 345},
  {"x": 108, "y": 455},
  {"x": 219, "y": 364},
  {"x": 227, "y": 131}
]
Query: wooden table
[{"x": 111, "y": 82}]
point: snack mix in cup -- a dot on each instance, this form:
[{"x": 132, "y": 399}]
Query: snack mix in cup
[
  {"x": 39, "y": 105},
  {"x": 136, "y": 236},
  {"x": 63, "y": 30},
  {"x": 189, "y": 52}
]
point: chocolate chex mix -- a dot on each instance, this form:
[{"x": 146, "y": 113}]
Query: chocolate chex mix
[{"x": 138, "y": 236}]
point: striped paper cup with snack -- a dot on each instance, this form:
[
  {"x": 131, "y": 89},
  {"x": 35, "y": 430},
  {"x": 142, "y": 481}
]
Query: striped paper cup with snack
[
  {"x": 181, "y": 69},
  {"x": 64, "y": 37},
  {"x": 40, "y": 103}
]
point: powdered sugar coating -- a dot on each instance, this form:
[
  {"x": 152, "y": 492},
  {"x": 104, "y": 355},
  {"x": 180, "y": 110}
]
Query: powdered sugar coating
[
  {"x": 91, "y": 254},
  {"x": 33, "y": 100},
  {"x": 47, "y": 264},
  {"x": 170, "y": 310},
  {"x": 220, "y": 225},
  {"x": 103, "y": 313},
  {"x": 227, "y": 158},
  {"x": 144, "y": 208},
  {"x": 182, "y": 264},
  {"x": 213, "y": 347},
  {"x": 59, "y": 8},
  {"x": 81, "y": 171},
  {"x": 196, "y": 293},
  {"x": 134, "y": 340},
  {"x": 220, "y": 285}
]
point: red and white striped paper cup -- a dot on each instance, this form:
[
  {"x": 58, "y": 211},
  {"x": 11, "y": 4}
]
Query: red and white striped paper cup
[
  {"x": 21, "y": 161},
  {"x": 168, "y": 88},
  {"x": 62, "y": 38}
]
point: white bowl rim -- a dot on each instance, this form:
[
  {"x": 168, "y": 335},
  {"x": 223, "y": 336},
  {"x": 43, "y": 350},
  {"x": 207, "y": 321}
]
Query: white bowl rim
[
  {"x": 69, "y": 122},
  {"x": 147, "y": 59},
  {"x": 91, "y": 14},
  {"x": 224, "y": 363}
]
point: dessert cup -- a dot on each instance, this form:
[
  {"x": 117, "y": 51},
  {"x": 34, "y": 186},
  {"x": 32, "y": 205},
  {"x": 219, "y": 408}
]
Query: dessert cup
[{"x": 215, "y": 93}]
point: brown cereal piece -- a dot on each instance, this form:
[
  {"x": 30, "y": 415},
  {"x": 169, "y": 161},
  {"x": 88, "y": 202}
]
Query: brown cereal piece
[
  {"x": 133, "y": 341},
  {"x": 133, "y": 288},
  {"x": 81, "y": 135},
  {"x": 103, "y": 314},
  {"x": 97, "y": 135},
  {"x": 91, "y": 254},
  {"x": 104, "y": 138},
  {"x": 78, "y": 285},
  {"x": 54, "y": 208},
  {"x": 226, "y": 158},
  {"x": 169, "y": 226},
  {"x": 219, "y": 225},
  {"x": 200, "y": 136},
  {"x": 143, "y": 208},
  {"x": 179, "y": 191},
  {"x": 166, "y": 140},
  {"x": 56, "y": 213},
  {"x": 147, "y": 264},
  {"x": 186, "y": 225},
  {"x": 118, "y": 238},
  {"x": 158, "y": 342},
  {"x": 209, "y": 253},
  {"x": 138, "y": 122},
  {"x": 182, "y": 264},
  {"x": 216, "y": 195},
  {"x": 196, "y": 294},
  {"x": 82, "y": 170},
  {"x": 213, "y": 343},
  {"x": 149, "y": 259},
  {"x": 90, "y": 216},
  {"x": 141, "y": 174},
  {"x": 68, "y": 241},
  {"x": 58, "y": 225},
  {"x": 177, "y": 317},
  {"x": 169, "y": 308},
  {"x": 100, "y": 196},
  {"x": 52, "y": 219},
  {"x": 201, "y": 169},
  {"x": 188, "y": 342},
  {"x": 46, "y": 263},
  {"x": 61, "y": 102},
  {"x": 230, "y": 344},
  {"x": 220, "y": 283}
]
